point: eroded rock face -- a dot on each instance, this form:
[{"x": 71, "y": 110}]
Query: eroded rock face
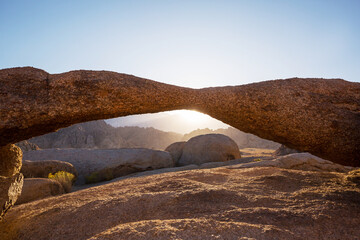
[
  {"x": 320, "y": 116},
  {"x": 10, "y": 190},
  {"x": 209, "y": 148},
  {"x": 10, "y": 160},
  {"x": 11, "y": 180}
]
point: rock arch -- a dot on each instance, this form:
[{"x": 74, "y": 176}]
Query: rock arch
[{"x": 321, "y": 116}]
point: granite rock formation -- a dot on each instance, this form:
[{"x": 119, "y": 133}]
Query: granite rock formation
[
  {"x": 11, "y": 180},
  {"x": 209, "y": 148},
  {"x": 10, "y": 190},
  {"x": 220, "y": 203},
  {"x": 87, "y": 161},
  {"x": 10, "y": 160},
  {"x": 320, "y": 116}
]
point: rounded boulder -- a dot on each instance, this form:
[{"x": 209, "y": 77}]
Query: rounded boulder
[
  {"x": 39, "y": 188},
  {"x": 175, "y": 149},
  {"x": 209, "y": 148}
]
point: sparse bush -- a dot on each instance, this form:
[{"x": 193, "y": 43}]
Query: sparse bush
[
  {"x": 64, "y": 178},
  {"x": 257, "y": 160},
  {"x": 354, "y": 176}
]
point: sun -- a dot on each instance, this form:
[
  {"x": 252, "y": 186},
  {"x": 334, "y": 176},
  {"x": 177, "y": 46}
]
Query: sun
[{"x": 191, "y": 116}]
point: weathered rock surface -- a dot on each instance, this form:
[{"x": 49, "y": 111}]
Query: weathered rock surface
[
  {"x": 299, "y": 161},
  {"x": 209, "y": 148},
  {"x": 39, "y": 188},
  {"x": 87, "y": 161},
  {"x": 41, "y": 169},
  {"x": 10, "y": 190},
  {"x": 175, "y": 149},
  {"x": 10, "y": 160},
  {"x": 320, "y": 116},
  {"x": 220, "y": 203},
  {"x": 11, "y": 180},
  {"x": 283, "y": 150}
]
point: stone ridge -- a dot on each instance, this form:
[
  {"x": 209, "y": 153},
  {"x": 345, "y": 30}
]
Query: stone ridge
[{"x": 321, "y": 116}]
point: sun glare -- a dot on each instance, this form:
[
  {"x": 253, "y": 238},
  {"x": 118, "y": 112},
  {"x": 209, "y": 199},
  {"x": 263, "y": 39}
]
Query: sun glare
[{"x": 191, "y": 116}]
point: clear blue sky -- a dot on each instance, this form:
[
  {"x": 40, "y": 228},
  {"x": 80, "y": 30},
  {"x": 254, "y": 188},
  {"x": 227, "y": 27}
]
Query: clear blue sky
[{"x": 187, "y": 43}]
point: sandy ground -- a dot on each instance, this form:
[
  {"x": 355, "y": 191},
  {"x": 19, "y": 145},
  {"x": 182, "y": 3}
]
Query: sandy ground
[{"x": 218, "y": 203}]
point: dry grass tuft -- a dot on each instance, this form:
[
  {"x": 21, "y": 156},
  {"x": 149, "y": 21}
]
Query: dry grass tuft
[{"x": 64, "y": 178}]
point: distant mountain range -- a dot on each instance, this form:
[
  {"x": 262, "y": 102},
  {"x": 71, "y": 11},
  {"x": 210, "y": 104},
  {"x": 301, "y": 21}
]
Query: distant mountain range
[
  {"x": 180, "y": 121},
  {"x": 99, "y": 134}
]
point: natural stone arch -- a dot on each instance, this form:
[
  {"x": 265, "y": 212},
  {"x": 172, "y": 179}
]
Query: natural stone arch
[{"x": 321, "y": 116}]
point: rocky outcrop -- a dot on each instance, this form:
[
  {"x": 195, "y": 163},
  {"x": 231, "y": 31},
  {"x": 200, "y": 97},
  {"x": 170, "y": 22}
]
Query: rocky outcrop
[
  {"x": 220, "y": 203},
  {"x": 39, "y": 188},
  {"x": 10, "y": 190},
  {"x": 11, "y": 180},
  {"x": 87, "y": 161},
  {"x": 208, "y": 148},
  {"x": 10, "y": 160},
  {"x": 320, "y": 116},
  {"x": 175, "y": 149},
  {"x": 41, "y": 169}
]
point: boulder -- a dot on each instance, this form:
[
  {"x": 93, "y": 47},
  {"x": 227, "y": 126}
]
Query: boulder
[
  {"x": 41, "y": 169},
  {"x": 11, "y": 180},
  {"x": 10, "y": 190},
  {"x": 175, "y": 149},
  {"x": 10, "y": 160},
  {"x": 209, "y": 148},
  {"x": 39, "y": 188},
  {"x": 320, "y": 116},
  {"x": 87, "y": 161}
]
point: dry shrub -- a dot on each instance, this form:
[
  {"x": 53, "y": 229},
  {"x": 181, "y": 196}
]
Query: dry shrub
[
  {"x": 64, "y": 178},
  {"x": 354, "y": 176}
]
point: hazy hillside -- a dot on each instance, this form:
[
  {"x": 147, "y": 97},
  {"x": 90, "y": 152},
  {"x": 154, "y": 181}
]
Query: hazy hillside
[
  {"x": 99, "y": 134},
  {"x": 179, "y": 121}
]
